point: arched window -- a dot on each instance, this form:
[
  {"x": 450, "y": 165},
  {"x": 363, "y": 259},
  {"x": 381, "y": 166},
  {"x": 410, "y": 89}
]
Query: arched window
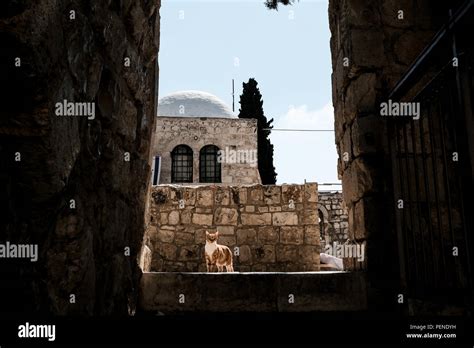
[
  {"x": 182, "y": 164},
  {"x": 209, "y": 167}
]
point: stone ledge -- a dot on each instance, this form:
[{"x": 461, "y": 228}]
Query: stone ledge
[{"x": 252, "y": 292}]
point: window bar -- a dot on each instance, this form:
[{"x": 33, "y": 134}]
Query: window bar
[
  {"x": 417, "y": 278},
  {"x": 427, "y": 189},
  {"x": 434, "y": 156},
  {"x": 416, "y": 202}
]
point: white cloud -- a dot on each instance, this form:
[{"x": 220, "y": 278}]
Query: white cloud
[{"x": 305, "y": 155}]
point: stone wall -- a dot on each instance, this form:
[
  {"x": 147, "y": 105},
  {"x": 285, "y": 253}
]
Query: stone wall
[
  {"x": 334, "y": 226},
  {"x": 80, "y": 187},
  {"x": 372, "y": 44},
  {"x": 196, "y": 132},
  {"x": 270, "y": 228}
]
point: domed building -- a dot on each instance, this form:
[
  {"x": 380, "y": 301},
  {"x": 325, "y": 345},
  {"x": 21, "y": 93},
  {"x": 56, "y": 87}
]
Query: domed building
[{"x": 198, "y": 139}]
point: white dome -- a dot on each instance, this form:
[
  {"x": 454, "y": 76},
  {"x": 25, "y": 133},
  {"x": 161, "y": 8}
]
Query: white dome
[{"x": 193, "y": 104}]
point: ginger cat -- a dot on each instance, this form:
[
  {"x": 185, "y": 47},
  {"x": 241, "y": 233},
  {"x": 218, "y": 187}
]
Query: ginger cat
[{"x": 216, "y": 254}]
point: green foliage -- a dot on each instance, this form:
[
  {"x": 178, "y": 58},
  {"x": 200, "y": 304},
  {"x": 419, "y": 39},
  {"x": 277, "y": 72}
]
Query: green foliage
[{"x": 273, "y": 4}]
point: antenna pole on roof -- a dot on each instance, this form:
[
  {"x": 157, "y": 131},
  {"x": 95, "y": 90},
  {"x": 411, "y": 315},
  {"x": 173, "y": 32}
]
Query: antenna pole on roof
[{"x": 233, "y": 101}]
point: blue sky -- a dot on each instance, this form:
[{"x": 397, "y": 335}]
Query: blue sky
[{"x": 205, "y": 44}]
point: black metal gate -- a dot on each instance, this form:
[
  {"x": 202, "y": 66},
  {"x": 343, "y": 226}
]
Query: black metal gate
[{"x": 432, "y": 161}]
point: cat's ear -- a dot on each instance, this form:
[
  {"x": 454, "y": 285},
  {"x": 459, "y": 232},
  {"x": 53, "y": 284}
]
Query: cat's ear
[
  {"x": 207, "y": 233},
  {"x": 217, "y": 233}
]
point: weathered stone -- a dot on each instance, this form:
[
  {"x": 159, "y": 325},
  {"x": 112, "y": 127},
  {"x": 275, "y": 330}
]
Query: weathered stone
[
  {"x": 256, "y": 219},
  {"x": 173, "y": 218},
  {"x": 311, "y": 192},
  {"x": 190, "y": 253},
  {"x": 186, "y": 216},
  {"x": 364, "y": 41},
  {"x": 309, "y": 254},
  {"x": 255, "y": 194},
  {"x": 360, "y": 97},
  {"x": 265, "y": 253},
  {"x": 245, "y": 256},
  {"x": 165, "y": 236},
  {"x": 183, "y": 238},
  {"x": 311, "y": 235},
  {"x": 291, "y": 192},
  {"x": 286, "y": 253},
  {"x": 309, "y": 217},
  {"x": 167, "y": 251},
  {"x": 227, "y": 240},
  {"x": 285, "y": 218},
  {"x": 225, "y": 230},
  {"x": 225, "y": 216},
  {"x": 202, "y": 219},
  {"x": 291, "y": 235},
  {"x": 205, "y": 197},
  {"x": 267, "y": 234},
  {"x": 272, "y": 194},
  {"x": 246, "y": 236},
  {"x": 222, "y": 196}
]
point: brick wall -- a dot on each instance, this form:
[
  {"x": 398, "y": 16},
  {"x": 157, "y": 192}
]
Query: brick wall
[
  {"x": 269, "y": 228},
  {"x": 335, "y": 224}
]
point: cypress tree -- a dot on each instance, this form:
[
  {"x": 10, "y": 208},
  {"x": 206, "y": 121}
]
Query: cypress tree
[
  {"x": 273, "y": 4},
  {"x": 251, "y": 106}
]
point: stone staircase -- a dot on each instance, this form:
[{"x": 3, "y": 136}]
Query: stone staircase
[{"x": 174, "y": 292}]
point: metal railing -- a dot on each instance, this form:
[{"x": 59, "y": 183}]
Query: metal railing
[{"x": 432, "y": 165}]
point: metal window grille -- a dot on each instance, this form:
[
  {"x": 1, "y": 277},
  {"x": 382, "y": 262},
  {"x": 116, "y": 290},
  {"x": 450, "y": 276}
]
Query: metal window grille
[
  {"x": 182, "y": 164},
  {"x": 209, "y": 167}
]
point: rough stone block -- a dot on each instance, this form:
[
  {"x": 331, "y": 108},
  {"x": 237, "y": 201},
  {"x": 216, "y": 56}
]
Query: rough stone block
[
  {"x": 225, "y": 230},
  {"x": 309, "y": 254},
  {"x": 222, "y": 196},
  {"x": 309, "y": 217},
  {"x": 267, "y": 234},
  {"x": 245, "y": 255},
  {"x": 256, "y": 219},
  {"x": 311, "y": 235},
  {"x": 165, "y": 236},
  {"x": 225, "y": 216},
  {"x": 202, "y": 219},
  {"x": 183, "y": 238},
  {"x": 256, "y": 194},
  {"x": 167, "y": 251},
  {"x": 272, "y": 194},
  {"x": 285, "y": 218},
  {"x": 250, "y": 209},
  {"x": 227, "y": 240},
  {"x": 291, "y": 192},
  {"x": 173, "y": 218},
  {"x": 291, "y": 235},
  {"x": 205, "y": 197},
  {"x": 265, "y": 254},
  {"x": 190, "y": 253},
  {"x": 186, "y": 216},
  {"x": 311, "y": 192},
  {"x": 286, "y": 253},
  {"x": 246, "y": 236}
]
